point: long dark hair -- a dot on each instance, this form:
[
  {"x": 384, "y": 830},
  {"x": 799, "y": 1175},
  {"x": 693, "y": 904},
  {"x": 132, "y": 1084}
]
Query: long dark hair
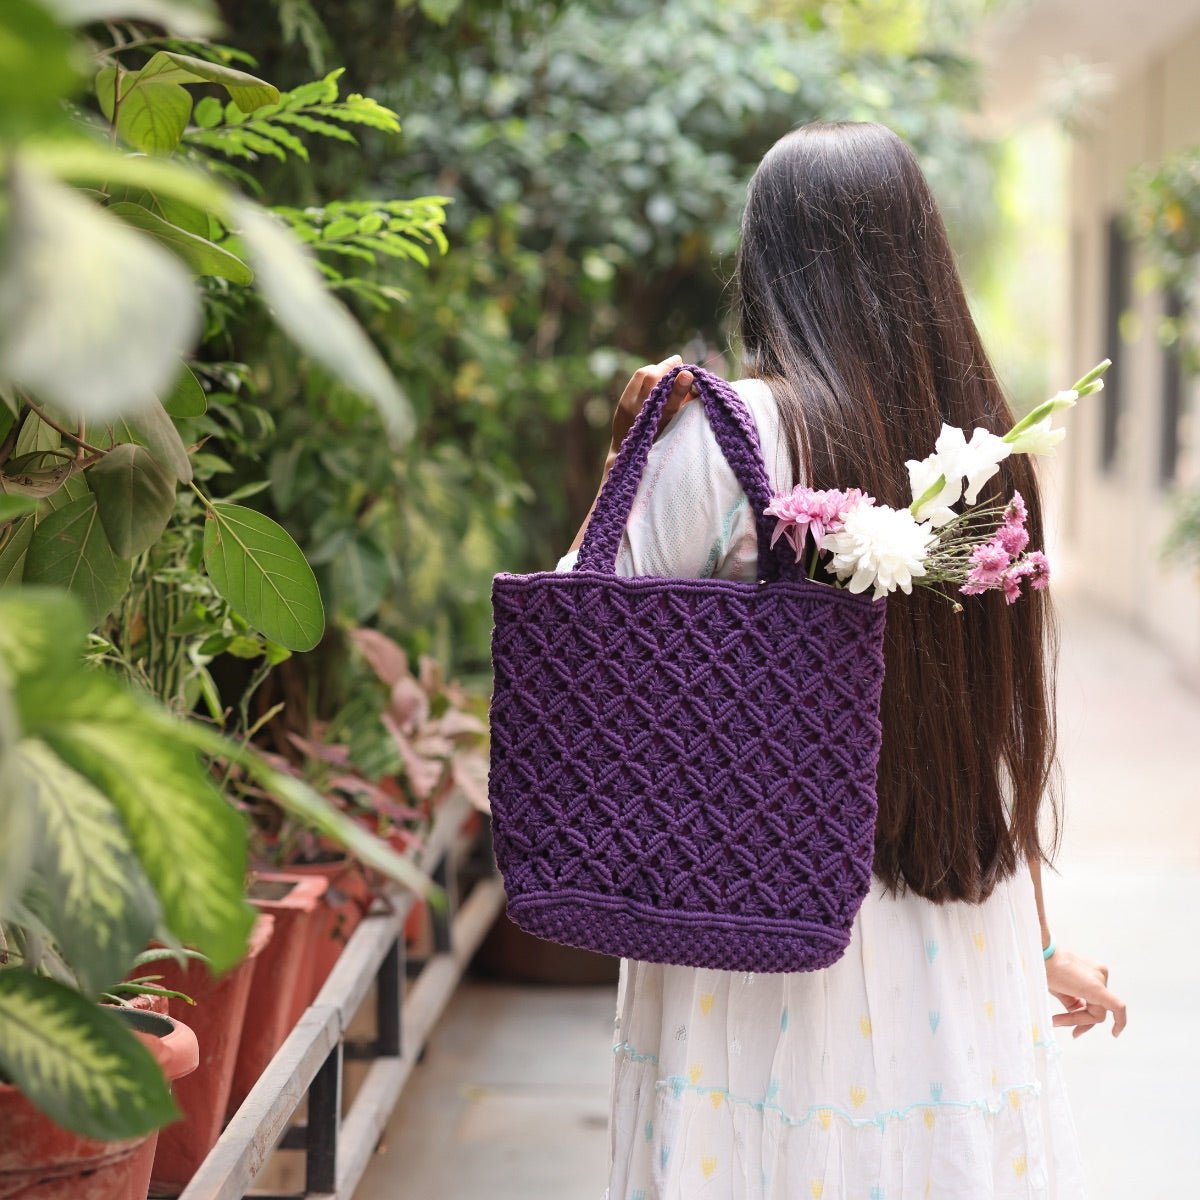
[{"x": 852, "y": 309}]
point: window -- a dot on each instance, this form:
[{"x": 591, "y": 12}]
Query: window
[{"x": 1117, "y": 297}]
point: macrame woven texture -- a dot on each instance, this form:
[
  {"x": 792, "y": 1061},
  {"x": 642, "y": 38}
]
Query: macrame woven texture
[{"x": 683, "y": 770}]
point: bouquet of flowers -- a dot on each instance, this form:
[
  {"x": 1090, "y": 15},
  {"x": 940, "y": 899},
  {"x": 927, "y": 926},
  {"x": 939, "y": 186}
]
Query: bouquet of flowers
[{"x": 864, "y": 544}]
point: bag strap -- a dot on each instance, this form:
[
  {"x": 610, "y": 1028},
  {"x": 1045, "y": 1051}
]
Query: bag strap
[{"x": 737, "y": 436}]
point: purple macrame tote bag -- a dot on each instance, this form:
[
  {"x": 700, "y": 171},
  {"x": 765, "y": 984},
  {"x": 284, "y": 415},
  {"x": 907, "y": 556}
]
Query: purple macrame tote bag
[{"x": 683, "y": 770}]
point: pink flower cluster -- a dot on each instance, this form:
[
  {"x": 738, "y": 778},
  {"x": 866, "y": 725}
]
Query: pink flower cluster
[
  {"x": 1003, "y": 563},
  {"x": 805, "y": 510}
]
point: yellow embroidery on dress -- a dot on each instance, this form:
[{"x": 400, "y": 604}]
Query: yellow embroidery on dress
[
  {"x": 995, "y": 1076},
  {"x": 1036, "y": 1033},
  {"x": 929, "y": 1116},
  {"x": 708, "y": 1165},
  {"x": 694, "y": 1073},
  {"x": 817, "y": 1187},
  {"x": 864, "y": 1025},
  {"x": 979, "y": 942},
  {"x": 1014, "y": 1098},
  {"x": 716, "y": 1097},
  {"x": 824, "y": 1115},
  {"x": 989, "y": 1007},
  {"x": 857, "y": 1095},
  {"x": 1019, "y": 1167},
  {"x": 706, "y": 1003}
]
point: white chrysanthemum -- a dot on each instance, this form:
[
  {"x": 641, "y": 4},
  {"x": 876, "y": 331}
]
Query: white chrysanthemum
[{"x": 881, "y": 547}]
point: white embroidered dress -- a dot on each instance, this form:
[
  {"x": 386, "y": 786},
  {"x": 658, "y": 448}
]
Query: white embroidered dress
[{"x": 922, "y": 1065}]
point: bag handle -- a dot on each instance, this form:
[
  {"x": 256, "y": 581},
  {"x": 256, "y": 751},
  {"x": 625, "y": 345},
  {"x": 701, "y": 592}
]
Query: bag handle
[{"x": 737, "y": 436}]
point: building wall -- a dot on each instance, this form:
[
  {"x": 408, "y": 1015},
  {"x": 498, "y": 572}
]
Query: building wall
[{"x": 1114, "y": 520}]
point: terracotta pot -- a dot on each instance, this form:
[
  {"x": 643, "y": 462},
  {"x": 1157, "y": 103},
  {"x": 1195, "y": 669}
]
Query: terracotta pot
[
  {"x": 217, "y": 1017},
  {"x": 345, "y": 903},
  {"x": 42, "y": 1161},
  {"x": 278, "y": 991}
]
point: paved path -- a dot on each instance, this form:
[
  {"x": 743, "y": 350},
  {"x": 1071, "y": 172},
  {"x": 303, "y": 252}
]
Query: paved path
[{"x": 511, "y": 1100}]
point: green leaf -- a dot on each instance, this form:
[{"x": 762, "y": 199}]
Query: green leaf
[
  {"x": 260, "y": 571},
  {"x": 168, "y": 69},
  {"x": 313, "y": 319},
  {"x": 187, "y": 399},
  {"x": 88, "y": 163},
  {"x": 16, "y": 506},
  {"x": 102, "y": 911},
  {"x": 135, "y": 497},
  {"x": 201, "y": 255},
  {"x": 208, "y": 112},
  {"x": 78, "y": 1063},
  {"x": 41, "y": 631},
  {"x": 13, "y": 552},
  {"x": 152, "y": 428},
  {"x": 37, "y": 68},
  {"x": 187, "y": 18},
  {"x": 68, "y": 268},
  {"x": 151, "y": 118},
  {"x": 69, "y": 549},
  {"x": 190, "y": 842}
]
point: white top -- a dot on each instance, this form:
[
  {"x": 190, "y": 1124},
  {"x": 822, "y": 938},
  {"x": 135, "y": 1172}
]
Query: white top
[{"x": 922, "y": 1065}]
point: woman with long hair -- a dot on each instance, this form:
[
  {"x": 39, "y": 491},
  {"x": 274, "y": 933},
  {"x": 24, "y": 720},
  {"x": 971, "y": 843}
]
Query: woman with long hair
[{"x": 923, "y": 1062}]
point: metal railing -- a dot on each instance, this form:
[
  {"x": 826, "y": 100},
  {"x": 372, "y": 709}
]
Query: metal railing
[{"x": 338, "y": 1148}]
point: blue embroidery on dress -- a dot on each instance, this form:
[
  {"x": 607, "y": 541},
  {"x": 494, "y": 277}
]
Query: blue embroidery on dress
[
  {"x": 935, "y": 1019},
  {"x": 931, "y": 949},
  {"x": 678, "y": 1084},
  {"x": 877, "y": 1193},
  {"x": 649, "y": 1130},
  {"x": 639, "y": 1194},
  {"x": 783, "y": 1021},
  {"x": 630, "y": 1052},
  {"x": 664, "y": 1155},
  {"x": 935, "y": 1090}
]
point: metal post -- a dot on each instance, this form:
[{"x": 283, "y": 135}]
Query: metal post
[
  {"x": 389, "y": 1001},
  {"x": 324, "y": 1118}
]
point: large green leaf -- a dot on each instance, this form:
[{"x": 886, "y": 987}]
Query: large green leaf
[
  {"x": 101, "y": 909},
  {"x": 17, "y": 828},
  {"x": 190, "y": 842},
  {"x": 135, "y": 497},
  {"x": 12, "y": 507},
  {"x": 151, "y": 119},
  {"x": 260, "y": 570},
  {"x": 13, "y": 552},
  {"x": 187, "y": 398},
  {"x": 313, "y": 319},
  {"x": 186, "y": 18},
  {"x": 201, "y": 255},
  {"x": 37, "y": 68},
  {"x": 89, "y": 163},
  {"x": 71, "y": 267},
  {"x": 69, "y": 549},
  {"x": 154, "y": 429},
  {"x": 77, "y": 1062},
  {"x": 42, "y": 631},
  {"x": 167, "y": 68}
]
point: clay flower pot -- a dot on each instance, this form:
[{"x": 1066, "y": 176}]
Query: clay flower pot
[
  {"x": 279, "y": 989},
  {"x": 345, "y": 903},
  {"x": 40, "y": 1159},
  {"x": 217, "y": 1018}
]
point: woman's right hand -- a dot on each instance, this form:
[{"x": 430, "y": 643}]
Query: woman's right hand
[{"x": 1081, "y": 986}]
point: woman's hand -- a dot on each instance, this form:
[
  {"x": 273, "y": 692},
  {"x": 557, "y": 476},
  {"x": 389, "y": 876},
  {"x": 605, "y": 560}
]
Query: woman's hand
[
  {"x": 1081, "y": 985},
  {"x": 637, "y": 391}
]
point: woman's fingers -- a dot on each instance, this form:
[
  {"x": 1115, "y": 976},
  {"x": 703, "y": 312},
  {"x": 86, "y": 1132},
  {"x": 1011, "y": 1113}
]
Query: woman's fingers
[{"x": 638, "y": 390}]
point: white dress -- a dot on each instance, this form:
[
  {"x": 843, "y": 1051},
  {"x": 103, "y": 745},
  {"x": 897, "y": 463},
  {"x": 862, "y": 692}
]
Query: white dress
[{"x": 922, "y": 1065}]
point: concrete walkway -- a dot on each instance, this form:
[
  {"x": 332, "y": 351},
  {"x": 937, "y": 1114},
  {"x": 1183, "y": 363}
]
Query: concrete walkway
[{"x": 511, "y": 1101}]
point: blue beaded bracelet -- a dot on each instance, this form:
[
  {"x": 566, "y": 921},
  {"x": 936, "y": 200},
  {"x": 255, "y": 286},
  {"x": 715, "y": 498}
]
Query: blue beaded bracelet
[{"x": 1049, "y": 950}]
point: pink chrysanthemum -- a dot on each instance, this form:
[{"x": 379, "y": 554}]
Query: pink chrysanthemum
[
  {"x": 989, "y": 562},
  {"x": 806, "y": 510}
]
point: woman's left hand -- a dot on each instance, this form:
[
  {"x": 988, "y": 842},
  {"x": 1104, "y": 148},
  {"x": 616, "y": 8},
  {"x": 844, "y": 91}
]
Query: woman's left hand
[{"x": 638, "y": 390}]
